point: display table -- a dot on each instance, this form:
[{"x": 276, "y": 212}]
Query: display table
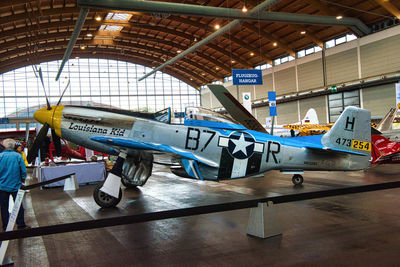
[{"x": 85, "y": 173}]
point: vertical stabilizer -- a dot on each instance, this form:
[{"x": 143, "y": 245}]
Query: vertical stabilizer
[
  {"x": 351, "y": 131},
  {"x": 386, "y": 123},
  {"x": 311, "y": 117}
]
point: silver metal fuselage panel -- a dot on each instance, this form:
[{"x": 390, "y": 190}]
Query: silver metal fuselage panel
[{"x": 237, "y": 153}]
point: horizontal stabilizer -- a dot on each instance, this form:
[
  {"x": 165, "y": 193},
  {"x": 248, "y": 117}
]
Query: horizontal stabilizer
[
  {"x": 320, "y": 147},
  {"x": 129, "y": 143},
  {"x": 327, "y": 149}
]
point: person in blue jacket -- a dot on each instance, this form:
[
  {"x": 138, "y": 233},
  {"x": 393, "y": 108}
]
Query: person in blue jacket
[{"x": 12, "y": 174}]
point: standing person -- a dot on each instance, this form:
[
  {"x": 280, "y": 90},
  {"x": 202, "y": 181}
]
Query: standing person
[
  {"x": 12, "y": 174},
  {"x": 19, "y": 148}
]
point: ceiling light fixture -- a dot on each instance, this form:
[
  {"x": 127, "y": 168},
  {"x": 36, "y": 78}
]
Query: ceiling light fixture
[
  {"x": 339, "y": 17},
  {"x": 217, "y": 68},
  {"x": 244, "y": 8},
  {"x": 217, "y": 26},
  {"x": 233, "y": 61},
  {"x": 251, "y": 54},
  {"x": 83, "y": 47},
  {"x": 98, "y": 18},
  {"x": 303, "y": 32},
  {"x": 179, "y": 51},
  {"x": 89, "y": 35},
  {"x": 275, "y": 44}
]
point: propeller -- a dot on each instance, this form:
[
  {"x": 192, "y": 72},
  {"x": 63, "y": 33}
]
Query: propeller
[
  {"x": 57, "y": 142},
  {"x": 34, "y": 148}
]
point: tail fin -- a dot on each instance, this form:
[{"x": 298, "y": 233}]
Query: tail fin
[
  {"x": 386, "y": 123},
  {"x": 351, "y": 131},
  {"x": 311, "y": 117}
]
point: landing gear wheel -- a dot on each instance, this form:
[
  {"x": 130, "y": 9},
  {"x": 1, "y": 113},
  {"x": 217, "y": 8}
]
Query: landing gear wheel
[
  {"x": 105, "y": 200},
  {"x": 127, "y": 184},
  {"x": 297, "y": 179}
]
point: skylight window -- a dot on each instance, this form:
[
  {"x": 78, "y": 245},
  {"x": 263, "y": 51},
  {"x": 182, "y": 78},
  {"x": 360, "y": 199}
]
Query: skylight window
[
  {"x": 111, "y": 28},
  {"x": 118, "y": 16},
  {"x": 115, "y": 17}
]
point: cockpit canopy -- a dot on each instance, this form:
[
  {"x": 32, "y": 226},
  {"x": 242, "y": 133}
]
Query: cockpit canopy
[{"x": 202, "y": 114}]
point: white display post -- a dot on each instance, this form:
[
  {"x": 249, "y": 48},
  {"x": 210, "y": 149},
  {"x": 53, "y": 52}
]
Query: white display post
[
  {"x": 263, "y": 222},
  {"x": 71, "y": 184},
  {"x": 10, "y": 227}
]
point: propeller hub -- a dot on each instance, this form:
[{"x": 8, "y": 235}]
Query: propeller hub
[
  {"x": 50, "y": 116},
  {"x": 44, "y": 115}
]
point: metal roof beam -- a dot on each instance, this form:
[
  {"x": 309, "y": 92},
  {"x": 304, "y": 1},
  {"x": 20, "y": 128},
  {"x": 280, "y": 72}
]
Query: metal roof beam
[
  {"x": 45, "y": 56},
  {"x": 212, "y": 36},
  {"x": 228, "y": 13},
  {"x": 389, "y": 7}
]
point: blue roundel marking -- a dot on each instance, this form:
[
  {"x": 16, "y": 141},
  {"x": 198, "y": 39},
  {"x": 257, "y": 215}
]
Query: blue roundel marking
[{"x": 241, "y": 145}]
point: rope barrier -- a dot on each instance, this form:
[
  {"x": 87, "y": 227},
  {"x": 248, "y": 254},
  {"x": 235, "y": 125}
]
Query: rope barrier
[
  {"x": 28, "y": 187},
  {"x": 177, "y": 213}
]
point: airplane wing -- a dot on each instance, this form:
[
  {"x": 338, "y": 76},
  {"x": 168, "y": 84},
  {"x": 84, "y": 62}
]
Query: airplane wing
[
  {"x": 235, "y": 109},
  {"x": 129, "y": 143}
]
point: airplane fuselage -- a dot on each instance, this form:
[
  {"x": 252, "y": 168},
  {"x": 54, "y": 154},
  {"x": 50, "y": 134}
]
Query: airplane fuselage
[{"x": 237, "y": 152}]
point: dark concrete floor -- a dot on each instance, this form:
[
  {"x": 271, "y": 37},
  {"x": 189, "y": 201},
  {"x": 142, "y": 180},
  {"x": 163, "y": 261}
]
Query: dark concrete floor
[{"x": 352, "y": 230}]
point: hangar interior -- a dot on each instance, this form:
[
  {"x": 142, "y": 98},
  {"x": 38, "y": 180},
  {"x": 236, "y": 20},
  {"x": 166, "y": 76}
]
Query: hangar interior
[{"x": 146, "y": 56}]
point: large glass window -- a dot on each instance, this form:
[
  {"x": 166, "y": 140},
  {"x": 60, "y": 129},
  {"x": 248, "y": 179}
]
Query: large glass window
[{"x": 93, "y": 82}]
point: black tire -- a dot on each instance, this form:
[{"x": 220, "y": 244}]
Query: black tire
[
  {"x": 297, "y": 179},
  {"x": 104, "y": 200},
  {"x": 126, "y": 183}
]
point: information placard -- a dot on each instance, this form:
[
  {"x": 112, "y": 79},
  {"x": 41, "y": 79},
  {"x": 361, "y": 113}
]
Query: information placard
[
  {"x": 247, "y": 77},
  {"x": 272, "y": 103}
]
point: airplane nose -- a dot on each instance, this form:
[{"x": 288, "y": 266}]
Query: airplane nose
[
  {"x": 44, "y": 115},
  {"x": 52, "y": 117}
]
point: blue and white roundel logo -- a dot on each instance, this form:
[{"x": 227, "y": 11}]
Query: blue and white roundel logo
[{"x": 241, "y": 145}]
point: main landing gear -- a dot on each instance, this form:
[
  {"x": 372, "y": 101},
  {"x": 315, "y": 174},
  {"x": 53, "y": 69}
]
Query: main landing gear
[
  {"x": 105, "y": 200},
  {"x": 297, "y": 179}
]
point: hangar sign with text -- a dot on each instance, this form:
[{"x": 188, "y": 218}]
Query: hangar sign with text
[{"x": 246, "y": 77}]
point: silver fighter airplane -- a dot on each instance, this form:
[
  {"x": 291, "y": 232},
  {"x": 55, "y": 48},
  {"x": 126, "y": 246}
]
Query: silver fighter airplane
[{"x": 208, "y": 146}]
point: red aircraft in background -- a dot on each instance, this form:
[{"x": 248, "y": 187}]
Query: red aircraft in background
[
  {"x": 384, "y": 151},
  {"x": 68, "y": 152}
]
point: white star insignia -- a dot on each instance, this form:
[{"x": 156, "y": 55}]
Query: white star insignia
[{"x": 241, "y": 144}]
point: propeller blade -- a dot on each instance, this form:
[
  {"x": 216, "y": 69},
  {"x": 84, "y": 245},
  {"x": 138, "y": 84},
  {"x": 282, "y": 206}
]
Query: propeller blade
[
  {"x": 44, "y": 88},
  {"x": 57, "y": 142},
  {"x": 65, "y": 89},
  {"x": 34, "y": 148}
]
